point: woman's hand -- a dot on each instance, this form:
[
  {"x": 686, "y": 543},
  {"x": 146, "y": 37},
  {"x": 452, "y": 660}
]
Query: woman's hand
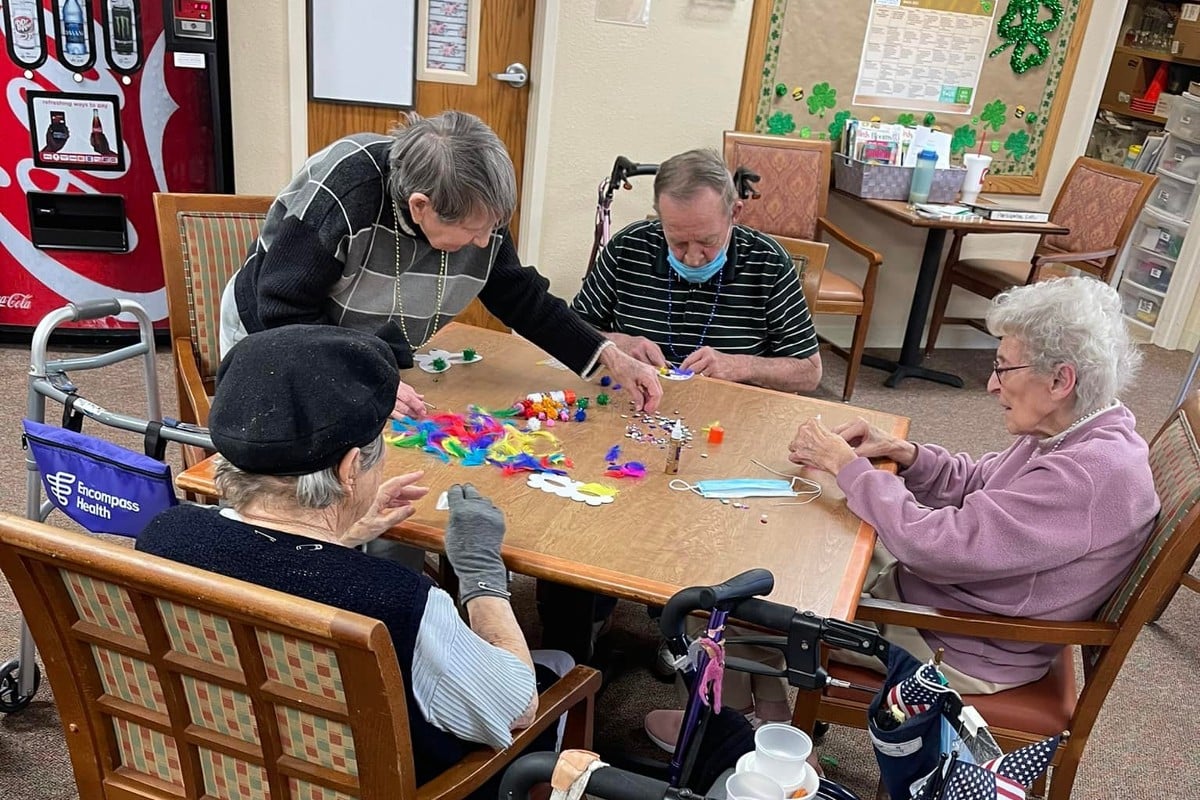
[
  {"x": 815, "y": 445},
  {"x": 870, "y": 442},
  {"x": 392, "y": 505},
  {"x": 408, "y": 402},
  {"x": 635, "y": 377}
]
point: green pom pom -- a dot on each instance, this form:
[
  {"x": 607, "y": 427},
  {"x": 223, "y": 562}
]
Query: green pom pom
[
  {"x": 439, "y": 364},
  {"x": 930, "y": 118},
  {"x": 781, "y": 89},
  {"x": 469, "y": 354},
  {"x": 582, "y": 402},
  {"x": 601, "y": 399}
]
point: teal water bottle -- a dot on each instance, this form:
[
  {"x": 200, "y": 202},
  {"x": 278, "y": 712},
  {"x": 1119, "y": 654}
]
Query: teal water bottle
[{"x": 922, "y": 180}]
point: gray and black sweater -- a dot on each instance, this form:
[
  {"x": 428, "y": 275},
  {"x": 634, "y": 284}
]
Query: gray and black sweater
[{"x": 327, "y": 254}]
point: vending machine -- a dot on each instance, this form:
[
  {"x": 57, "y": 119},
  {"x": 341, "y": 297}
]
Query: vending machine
[{"x": 108, "y": 101}]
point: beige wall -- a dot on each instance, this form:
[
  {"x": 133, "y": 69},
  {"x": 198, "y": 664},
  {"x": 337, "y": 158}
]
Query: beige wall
[
  {"x": 645, "y": 93},
  {"x": 263, "y": 102},
  {"x": 603, "y": 90}
]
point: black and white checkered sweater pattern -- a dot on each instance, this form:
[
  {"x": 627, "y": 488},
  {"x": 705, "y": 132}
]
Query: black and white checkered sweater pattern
[{"x": 327, "y": 253}]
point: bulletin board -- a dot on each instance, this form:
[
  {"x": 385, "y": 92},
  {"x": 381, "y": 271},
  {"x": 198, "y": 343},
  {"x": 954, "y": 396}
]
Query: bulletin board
[{"x": 809, "y": 61}]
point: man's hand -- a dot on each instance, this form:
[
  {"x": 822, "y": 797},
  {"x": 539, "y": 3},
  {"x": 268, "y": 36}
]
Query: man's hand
[
  {"x": 473, "y": 539},
  {"x": 635, "y": 377},
  {"x": 714, "y": 364},
  {"x": 408, "y": 402},
  {"x": 816, "y": 446},
  {"x": 871, "y": 442},
  {"x": 392, "y": 505},
  {"x": 640, "y": 348}
]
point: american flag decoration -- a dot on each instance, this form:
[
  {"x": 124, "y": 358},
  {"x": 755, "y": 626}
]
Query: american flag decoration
[
  {"x": 1019, "y": 769},
  {"x": 971, "y": 782},
  {"x": 913, "y": 694}
]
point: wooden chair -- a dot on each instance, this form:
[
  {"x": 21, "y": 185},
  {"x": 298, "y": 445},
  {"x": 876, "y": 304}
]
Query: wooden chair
[
  {"x": 205, "y": 239},
  {"x": 173, "y": 682},
  {"x": 794, "y": 190},
  {"x": 1055, "y": 704},
  {"x": 1098, "y": 202}
]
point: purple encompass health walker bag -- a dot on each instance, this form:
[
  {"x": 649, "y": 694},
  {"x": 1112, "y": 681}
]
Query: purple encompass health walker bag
[{"x": 100, "y": 485}]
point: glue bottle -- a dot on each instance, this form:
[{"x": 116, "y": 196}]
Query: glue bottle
[
  {"x": 675, "y": 448},
  {"x": 922, "y": 179}
]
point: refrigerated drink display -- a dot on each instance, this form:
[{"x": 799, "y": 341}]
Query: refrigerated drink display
[
  {"x": 121, "y": 18},
  {"x": 86, "y": 147},
  {"x": 26, "y": 30},
  {"x": 73, "y": 30}
]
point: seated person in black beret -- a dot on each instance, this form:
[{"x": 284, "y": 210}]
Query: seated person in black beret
[{"x": 298, "y": 419}]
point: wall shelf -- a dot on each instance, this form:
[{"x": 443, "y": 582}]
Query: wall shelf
[
  {"x": 1156, "y": 55},
  {"x": 1128, "y": 112}
]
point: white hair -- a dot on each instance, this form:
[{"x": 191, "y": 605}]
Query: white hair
[
  {"x": 320, "y": 489},
  {"x": 1074, "y": 321}
]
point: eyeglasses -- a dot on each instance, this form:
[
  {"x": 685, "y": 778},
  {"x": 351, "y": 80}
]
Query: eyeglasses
[{"x": 999, "y": 370}]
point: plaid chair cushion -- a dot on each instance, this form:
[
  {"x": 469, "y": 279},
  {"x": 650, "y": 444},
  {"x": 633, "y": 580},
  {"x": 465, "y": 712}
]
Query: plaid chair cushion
[{"x": 215, "y": 246}]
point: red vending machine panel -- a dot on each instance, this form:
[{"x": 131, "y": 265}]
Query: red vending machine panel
[{"x": 101, "y": 114}]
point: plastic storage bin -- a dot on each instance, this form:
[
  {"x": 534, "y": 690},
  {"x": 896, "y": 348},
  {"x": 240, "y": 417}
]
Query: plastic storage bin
[
  {"x": 1139, "y": 305},
  {"x": 1174, "y": 196},
  {"x": 1158, "y": 233},
  {"x": 1180, "y": 158},
  {"x": 1184, "y": 120},
  {"x": 1153, "y": 272}
]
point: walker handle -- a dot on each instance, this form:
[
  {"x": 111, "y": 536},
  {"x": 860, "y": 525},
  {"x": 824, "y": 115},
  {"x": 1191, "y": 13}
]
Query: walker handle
[
  {"x": 95, "y": 309},
  {"x": 726, "y": 595}
]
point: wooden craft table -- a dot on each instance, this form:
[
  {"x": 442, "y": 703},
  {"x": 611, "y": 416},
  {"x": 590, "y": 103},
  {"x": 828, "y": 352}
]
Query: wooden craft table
[{"x": 651, "y": 541}]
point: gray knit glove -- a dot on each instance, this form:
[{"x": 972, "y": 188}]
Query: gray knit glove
[{"x": 473, "y": 540}]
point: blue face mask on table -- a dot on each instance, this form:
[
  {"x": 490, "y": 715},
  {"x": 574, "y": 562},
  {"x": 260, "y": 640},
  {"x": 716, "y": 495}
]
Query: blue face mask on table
[{"x": 735, "y": 488}]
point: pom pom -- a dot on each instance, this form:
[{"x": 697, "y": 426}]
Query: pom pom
[
  {"x": 468, "y": 354},
  {"x": 580, "y": 415},
  {"x": 601, "y": 399},
  {"x": 606, "y": 381}
]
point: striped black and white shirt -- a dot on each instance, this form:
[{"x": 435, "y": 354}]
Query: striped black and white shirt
[{"x": 754, "y": 306}]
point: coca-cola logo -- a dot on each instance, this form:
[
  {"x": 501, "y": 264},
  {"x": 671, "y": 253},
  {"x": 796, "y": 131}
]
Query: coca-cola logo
[{"x": 17, "y": 300}]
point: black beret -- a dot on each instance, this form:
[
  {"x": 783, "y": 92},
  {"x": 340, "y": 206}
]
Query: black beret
[{"x": 294, "y": 400}]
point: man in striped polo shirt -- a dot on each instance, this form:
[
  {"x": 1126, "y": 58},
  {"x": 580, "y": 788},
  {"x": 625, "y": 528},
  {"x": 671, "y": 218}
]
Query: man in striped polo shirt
[{"x": 694, "y": 289}]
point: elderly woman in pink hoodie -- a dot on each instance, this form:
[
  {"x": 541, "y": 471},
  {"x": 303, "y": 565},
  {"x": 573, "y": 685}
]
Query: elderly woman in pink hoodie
[{"x": 1045, "y": 529}]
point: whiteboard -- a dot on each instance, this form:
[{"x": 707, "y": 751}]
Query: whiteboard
[{"x": 362, "y": 51}]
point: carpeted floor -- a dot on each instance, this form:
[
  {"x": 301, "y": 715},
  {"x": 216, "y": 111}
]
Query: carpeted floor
[{"x": 1146, "y": 744}]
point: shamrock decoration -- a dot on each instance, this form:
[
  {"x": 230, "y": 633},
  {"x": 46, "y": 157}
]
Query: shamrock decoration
[
  {"x": 995, "y": 145},
  {"x": 1020, "y": 27},
  {"x": 1031, "y": 118},
  {"x": 780, "y": 123},
  {"x": 930, "y": 118},
  {"x": 805, "y": 132},
  {"x": 995, "y": 114},
  {"x": 907, "y": 119},
  {"x": 838, "y": 125},
  {"x": 822, "y": 97},
  {"x": 781, "y": 89},
  {"x": 1017, "y": 144},
  {"x": 963, "y": 138},
  {"x": 985, "y": 6}
]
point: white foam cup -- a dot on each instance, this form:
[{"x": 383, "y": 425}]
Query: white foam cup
[
  {"x": 752, "y": 786},
  {"x": 977, "y": 168},
  {"x": 780, "y": 752}
]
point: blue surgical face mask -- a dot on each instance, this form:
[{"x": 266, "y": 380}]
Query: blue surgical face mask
[
  {"x": 703, "y": 272},
  {"x": 734, "y": 488}
]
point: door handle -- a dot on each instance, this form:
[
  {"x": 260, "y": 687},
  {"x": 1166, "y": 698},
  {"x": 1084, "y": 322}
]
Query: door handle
[{"x": 515, "y": 75}]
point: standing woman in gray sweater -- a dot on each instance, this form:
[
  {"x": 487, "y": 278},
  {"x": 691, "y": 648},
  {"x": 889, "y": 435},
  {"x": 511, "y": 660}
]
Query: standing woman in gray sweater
[{"x": 395, "y": 235}]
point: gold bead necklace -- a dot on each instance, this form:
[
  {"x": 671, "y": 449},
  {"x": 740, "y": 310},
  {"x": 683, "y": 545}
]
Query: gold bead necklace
[{"x": 399, "y": 303}]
